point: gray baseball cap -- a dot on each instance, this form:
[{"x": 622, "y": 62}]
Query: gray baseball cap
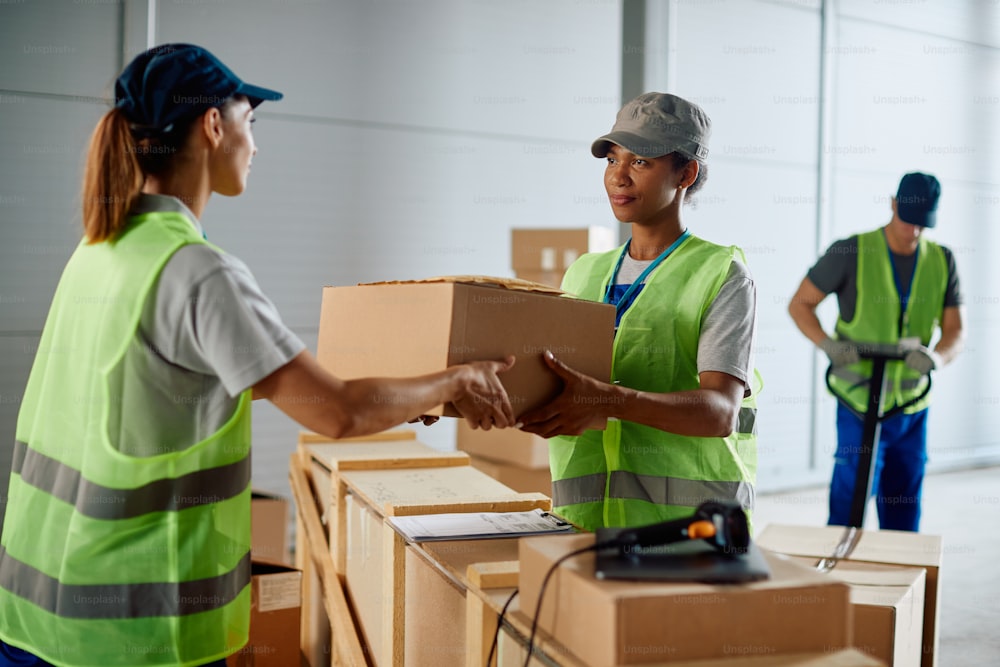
[{"x": 655, "y": 124}]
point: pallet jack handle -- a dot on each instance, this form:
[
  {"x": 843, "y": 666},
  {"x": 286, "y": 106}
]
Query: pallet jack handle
[{"x": 872, "y": 420}]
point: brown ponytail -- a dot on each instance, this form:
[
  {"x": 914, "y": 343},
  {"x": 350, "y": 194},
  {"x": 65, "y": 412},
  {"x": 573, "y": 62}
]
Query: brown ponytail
[{"x": 112, "y": 178}]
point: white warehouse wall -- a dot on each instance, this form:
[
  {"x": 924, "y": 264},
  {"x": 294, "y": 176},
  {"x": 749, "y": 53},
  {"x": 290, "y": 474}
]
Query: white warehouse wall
[{"x": 414, "y": 136}]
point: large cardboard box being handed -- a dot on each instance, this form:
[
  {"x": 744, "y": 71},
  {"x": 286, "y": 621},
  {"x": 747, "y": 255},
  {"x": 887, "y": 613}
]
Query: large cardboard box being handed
[{"x": 402, "y": 329}]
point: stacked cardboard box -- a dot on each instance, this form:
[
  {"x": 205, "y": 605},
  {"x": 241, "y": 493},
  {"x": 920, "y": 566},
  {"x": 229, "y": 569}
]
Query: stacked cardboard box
[
  {"x": 603, "y": 622},
  {"x": 389, "y": 582},
  {"x": 894, "y": 554},
  {"x": 515, "y": 458},
  {"x": 511, "y": 653},
  {"x": 543, "y": 255},
  {"x": 888, "y": 604},
  {"x": 269, "y": 527}
]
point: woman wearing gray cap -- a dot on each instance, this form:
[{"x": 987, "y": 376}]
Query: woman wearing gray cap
[
  {"x": 127, "y": 529},
  {"x": 675, "y": 428}
]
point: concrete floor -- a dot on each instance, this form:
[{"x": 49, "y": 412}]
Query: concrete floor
[{"x": 963, "y": 507}]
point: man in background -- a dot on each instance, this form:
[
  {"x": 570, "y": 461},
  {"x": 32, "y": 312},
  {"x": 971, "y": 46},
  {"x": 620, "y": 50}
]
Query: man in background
[{"x": 893, "y": 286}]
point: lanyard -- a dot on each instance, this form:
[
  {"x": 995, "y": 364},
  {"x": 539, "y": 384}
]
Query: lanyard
[
  {"x": 904, "y": 293},
  {"x": 624, "y": 301}
]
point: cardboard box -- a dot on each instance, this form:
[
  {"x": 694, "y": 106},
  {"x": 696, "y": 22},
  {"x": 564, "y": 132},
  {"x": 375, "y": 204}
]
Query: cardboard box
[
  {"x": 377, "y": 573},
  {"x": 550, "y": 250},
  {"x": 888, "y": 604},
  {"x": 887, "y": 547},
  {"x": 512, "y": 652},
  {"x": 415, "y": 328},
  {"x": 605, "y": 622},
  {"x": 525, "y": 480},
  {"x": 275, "y": 610},
  {"x": 847, "y": 657},
  {"x": 269, "y": 522},
  {"x": 507, "y": 445},
  {"x": 326, "y": 460}
]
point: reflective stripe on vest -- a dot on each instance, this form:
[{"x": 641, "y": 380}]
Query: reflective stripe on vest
[
  {"x": 146, "y": 599},
  {"x": 203, "y": 487},
  {"x": 626, "y": 485},
  {"x": 747, "y": 421}
]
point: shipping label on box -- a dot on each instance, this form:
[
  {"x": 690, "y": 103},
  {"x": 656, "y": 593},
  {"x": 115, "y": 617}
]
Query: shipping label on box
[
  {"x": 416, "y": 328},
  {"x": 620, "y": 622}
]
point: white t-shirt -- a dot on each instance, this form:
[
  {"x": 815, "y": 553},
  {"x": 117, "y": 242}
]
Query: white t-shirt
[{"x": 207, "y": 333}]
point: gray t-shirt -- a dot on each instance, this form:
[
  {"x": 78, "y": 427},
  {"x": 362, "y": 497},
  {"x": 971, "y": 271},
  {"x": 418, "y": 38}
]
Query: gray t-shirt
[
  {"x": 207, "y": 333},
  {"x": 729, "y": 332},
  {"x": 837, "y": 271}
]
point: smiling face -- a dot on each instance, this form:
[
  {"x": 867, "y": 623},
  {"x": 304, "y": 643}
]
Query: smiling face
[
  {"x": 644, "y": 190},
  {"x": 231, "y": 159}
]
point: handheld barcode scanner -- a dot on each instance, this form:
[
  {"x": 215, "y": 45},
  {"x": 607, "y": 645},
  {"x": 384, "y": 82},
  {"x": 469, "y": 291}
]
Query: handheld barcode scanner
[{"x": 723, "y": 524}]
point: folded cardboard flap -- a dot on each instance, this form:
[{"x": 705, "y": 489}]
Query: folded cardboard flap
[{"x": 518, "y": 284}]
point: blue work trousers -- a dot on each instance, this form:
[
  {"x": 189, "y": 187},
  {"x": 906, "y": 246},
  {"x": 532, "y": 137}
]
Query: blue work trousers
[
  {"x": 898, "y": 477},
  {"x": 11, "y": 656}
]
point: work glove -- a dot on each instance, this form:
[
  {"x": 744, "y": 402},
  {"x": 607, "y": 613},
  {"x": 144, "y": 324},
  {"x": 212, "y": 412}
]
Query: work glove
[
  {"x": 922, "y": 360},
  {"x": 841, "y": 353}
]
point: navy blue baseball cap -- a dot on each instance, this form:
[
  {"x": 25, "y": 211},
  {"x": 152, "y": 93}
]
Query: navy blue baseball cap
[
  {"x": 174, "y": 82},
  {"x": 917, "y": 199}
]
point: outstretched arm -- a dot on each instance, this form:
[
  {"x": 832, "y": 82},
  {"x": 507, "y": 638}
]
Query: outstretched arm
[{"x": 318, "y": 400}]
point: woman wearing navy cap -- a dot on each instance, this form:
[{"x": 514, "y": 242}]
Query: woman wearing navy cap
[{"x": 127, "y": 530}]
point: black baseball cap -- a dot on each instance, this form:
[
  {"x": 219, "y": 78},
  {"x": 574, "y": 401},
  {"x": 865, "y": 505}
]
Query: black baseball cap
[
  {"x": 917, "y": 199},
  {"x": 174, "y": 82}
]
